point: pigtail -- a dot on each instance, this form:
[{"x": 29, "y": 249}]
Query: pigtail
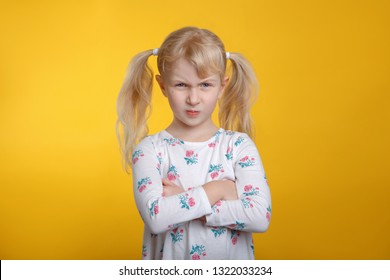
[
  {"x": 239, "y": 95},
  {"x": 134, "y": 105}
]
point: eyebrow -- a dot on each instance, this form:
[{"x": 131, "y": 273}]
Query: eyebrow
[
  {"x": 178, "y": 79},
  {"x": 209, "y": 80}
]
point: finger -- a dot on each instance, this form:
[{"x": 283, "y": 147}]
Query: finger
[{"x": 166, "y": 182}]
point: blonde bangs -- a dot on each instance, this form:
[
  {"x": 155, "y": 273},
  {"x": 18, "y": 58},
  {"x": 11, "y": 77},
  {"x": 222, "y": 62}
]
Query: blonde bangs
[{"x": 203, "y": 49}]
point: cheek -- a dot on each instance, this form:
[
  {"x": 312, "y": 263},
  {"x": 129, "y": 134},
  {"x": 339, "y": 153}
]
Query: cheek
[
  {"x": 174, "y": 99},
  {"x": 212, "y": 99}
]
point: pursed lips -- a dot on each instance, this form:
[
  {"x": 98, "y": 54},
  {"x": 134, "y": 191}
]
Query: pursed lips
[{"x": 192, "y": 112}]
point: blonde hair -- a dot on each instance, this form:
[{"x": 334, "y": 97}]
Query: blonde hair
[{"x": 203, "y": 49}]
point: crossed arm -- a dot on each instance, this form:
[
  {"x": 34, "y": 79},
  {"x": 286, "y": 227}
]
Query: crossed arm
[
  {"x": 215, "y": 190},
  {"x": 243, "y": 205}
]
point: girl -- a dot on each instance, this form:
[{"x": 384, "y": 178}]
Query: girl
[{"x": 201, "y": 190}]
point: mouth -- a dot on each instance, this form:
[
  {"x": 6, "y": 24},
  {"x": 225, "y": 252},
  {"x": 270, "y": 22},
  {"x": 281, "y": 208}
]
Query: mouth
[{"x": 192, "y": 113}]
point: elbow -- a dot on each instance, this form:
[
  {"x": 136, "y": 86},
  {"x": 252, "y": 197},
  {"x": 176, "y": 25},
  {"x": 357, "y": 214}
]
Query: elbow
[
  {"x": 262, "y": 226},
  {"x": 156, "y": 230},
  {"x": 261, "y": 220},
  {"x": 155, "y": 226},
  {"x": 152, "y": 218}
]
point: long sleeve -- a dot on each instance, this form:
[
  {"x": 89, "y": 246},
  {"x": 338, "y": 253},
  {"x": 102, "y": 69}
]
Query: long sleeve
[
  {"x": 252, "y": 211},
  {"x": 160, "y": 213}
]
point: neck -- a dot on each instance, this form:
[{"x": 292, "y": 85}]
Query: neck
[{"x": 192, "y": 134}]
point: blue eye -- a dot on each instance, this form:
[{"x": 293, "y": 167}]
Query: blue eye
[
  {"x": 206, "y": 85},
  {"x": 180, "y": 85}
]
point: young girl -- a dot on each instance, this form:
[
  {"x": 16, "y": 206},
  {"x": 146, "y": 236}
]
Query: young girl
[{"x": 201, "y": 190}]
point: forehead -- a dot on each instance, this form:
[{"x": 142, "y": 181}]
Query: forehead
[{"x": 182, "y": 69}]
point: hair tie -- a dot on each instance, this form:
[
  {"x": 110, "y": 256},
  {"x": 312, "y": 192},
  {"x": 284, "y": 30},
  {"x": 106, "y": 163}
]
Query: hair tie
[
  {"x": 227, "y": 55},
  {"x": 155, "y": 51}
]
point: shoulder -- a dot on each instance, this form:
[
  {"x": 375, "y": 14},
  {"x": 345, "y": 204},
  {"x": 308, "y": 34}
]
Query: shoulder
[
  {"x": 148, "y": 148},
  {"x": 235, "y": 139},
  {"x": 240, "y": 146},
  {"x": 151, "y": 141},
  {"x": 157, "y": 137}
]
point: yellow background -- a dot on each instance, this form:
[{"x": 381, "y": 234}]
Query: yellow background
[{"x": 322, "y": 121}]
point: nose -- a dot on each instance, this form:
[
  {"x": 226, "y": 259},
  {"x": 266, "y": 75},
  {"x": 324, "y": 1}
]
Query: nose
[{"x": 193, "y": 97}]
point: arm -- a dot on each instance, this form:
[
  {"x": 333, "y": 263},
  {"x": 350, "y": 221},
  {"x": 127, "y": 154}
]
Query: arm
[
  {"x": 251, "y": 212},
  {"x": 215, "y": 190},
  {"x": 157, "y": 211}
]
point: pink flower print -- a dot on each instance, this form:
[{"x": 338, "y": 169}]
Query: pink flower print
[
  {"x": 136, "y": 155},
  {"x": 234, "y": 236},
  {"x": 229, "y": 153},
  {"x": 214, "y": 175},
  {"x": 189, "y": 153},
  {"x": 191, "y": 157},
  {"x": 215, "y": 169},
  {"x": 186, "y": 201},
  {"x": 247, "y": 188},
  {"x": 154, "y": 209},
  {"x": 246, "y": 202},
  {"x": 250, "y": 190},
  {"x": 176, "y": 235},
  {"x": 216, "y": 139},
  {"x": 246, "y": 161},
  {"x": 143, "y": 183},
  {"x": 197, "y": 251},
  {"x": 172, "y": 173},
  {"x": 191, "y": 202},
  {"x": 268, "y": 215}
]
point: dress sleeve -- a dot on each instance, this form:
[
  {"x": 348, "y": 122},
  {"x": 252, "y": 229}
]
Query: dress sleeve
[
  {"x": 252, "y": 211},
  {"x": 160, "y": 213}
]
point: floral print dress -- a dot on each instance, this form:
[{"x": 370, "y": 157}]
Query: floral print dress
[{"x": 173, "y": 228}]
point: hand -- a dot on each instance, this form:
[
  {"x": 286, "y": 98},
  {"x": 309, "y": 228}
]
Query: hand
[
  {"x": 202, "y": 219},
  {"x": 169, "y": 188}
]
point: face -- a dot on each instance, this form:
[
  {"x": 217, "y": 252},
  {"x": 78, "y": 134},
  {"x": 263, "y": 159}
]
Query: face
[{"x": 192, "y": 99}]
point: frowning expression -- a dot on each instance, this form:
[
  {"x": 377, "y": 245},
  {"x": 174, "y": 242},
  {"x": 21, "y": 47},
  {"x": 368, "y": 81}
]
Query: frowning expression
[{"x": 191, "y": 98}]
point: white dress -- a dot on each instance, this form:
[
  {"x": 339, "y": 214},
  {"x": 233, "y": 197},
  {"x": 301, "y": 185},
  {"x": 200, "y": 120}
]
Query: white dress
[{"x": 173, "y": 229}]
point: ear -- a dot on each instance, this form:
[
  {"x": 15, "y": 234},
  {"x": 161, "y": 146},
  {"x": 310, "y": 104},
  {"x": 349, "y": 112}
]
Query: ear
[
  {"x": 161, "y": 83},
  {"x": 224, "y": 82}
]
